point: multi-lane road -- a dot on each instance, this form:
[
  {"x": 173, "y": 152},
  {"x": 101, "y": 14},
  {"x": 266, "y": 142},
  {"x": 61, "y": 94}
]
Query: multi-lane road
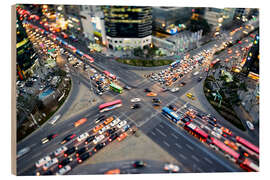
[{"x": 186, "y": 149}]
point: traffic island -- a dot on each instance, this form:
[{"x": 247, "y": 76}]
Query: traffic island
[
  {"x": 145, "y": 62},
  {"x": 224, "y": 107}
]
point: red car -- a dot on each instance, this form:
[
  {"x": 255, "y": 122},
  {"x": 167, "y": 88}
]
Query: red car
[
  {"x": 48, "y": 138},
  {"x": 68, "y": 138}
]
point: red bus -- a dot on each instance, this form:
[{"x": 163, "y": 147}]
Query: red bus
[
  {"x": 197, "y": 132},
  {"x": 72, "y": 48},
  {"x": 247, "y": 144},
  {"x": 249, "y": 166},
  {"x": 225, "y": 148},
  {"x": 89, "y": 58},
  {"x": 108, "y": 74},
  {"x": 110, "y": 105}
]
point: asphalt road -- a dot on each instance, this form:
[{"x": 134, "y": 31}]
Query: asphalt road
[{"x": 186, "y": 148}]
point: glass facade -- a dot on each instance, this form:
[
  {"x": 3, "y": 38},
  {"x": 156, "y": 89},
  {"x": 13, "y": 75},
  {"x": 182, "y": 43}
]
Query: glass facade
[
  {"x": 128, "y": 21},
  {"x": 26, "y": 55}
]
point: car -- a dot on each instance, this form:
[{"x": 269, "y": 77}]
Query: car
[
  {"x": 199, "y": 79},
  {"x": 110, "y": 132},
  {"x": 105, "y": 128},
  {"x": 136, "y": 106},
  {"x": 121, "y": 124},
  {"x": 114, "y": 122},
  {"x": 127, "y": 87},
  {"x": 82, "y": 137},
  {"x": 174, "y": 89},
  {"x": 100, "y": 118},
  {"x": 63, "y": 170},
  {"x": 182, "y": 84},
  {"x": 42, "y": 161},
  {"x": 48, "y": 138},
  {"x": 122, "y": 136},
  {"x": 151, "y": 94},
  {"x": 156, "y": 104},
  {"x": 135, "y": 100},
  {"x": 250, "y": 125},
  {"x": 70, "y": 151},
  {"x": 172, "y": 107},
  {"x": 99, "y": 146},
  {"x": 171, "y": 167},
  {"x": 156, "y": 100},
  {"x": 147, "y": 90},
  {"x": 50, "y": 163},
  {"x": 125, "y": 128},
  {"x": 80, "y": 122},
  {"x": 23, "y": 151},
  {"x": 98, "y": 139},
  {"x": 139, "y": 164},
  {"x": 197, "y": 72},
  {"x": 81, "y": 151},
  {"x": 89, "y": 139},
  {"x": 68, "y": 138},
  {"x": 113, "y": 136},
  {"x": 190, "y": 96},
  {"x": 227, "y": 131},
  {"x": 98, "y": 127},
  {"x": 108, "y": 120},
  {"x": 60, "y": 150},
  {"x": 113, "y": 171},
  {"x": 185, "y": 119},
  {"x": 55, "y": 118},
  {"x": 83, "y": 157}
]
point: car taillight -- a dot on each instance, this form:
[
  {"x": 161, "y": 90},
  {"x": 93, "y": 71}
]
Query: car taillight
[
  {"x": 65, "y": 155},
  {"x": 77, "y": 154},
  {"x": 60, "y": 166}
]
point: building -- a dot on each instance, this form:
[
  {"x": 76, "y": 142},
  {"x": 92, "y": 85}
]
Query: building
[
  {"x": 170, "y": 19},
  {"x": 27, "y": 58},
  {"x": 72, "y": 15},
  {"x": 214, "y": 17},
  {"x": 228, "y": 15},
  {"x": 127, "y": 27},
  {"x": 251, "y": 67},
  {"x": 93, "y": 25}
]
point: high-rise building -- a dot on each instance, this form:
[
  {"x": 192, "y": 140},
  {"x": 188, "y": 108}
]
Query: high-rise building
[
  {"x": 214, "y": 17},
  {"x": 26, "y": 56},
  {"x": 128, "y": 27},
  {"x": 170, "y": 19}
]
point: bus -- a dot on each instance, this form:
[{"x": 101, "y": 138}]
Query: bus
[
  {"x": 72, "y": 48},
  {"x": 230, "y": 152},
  {"x": 79, "y": 52},
  {"x": 88, "y": 58},
  {"x": 175, "y": 63},
  {"x": 108, "y": 74},
  {"x": 197, "y": 132},
  {"x": 110, "y": 105},
  {"x": 116, "y": 88},
  {"x": 249, "y": 166},
  {"x": 247, "y": 144},
  {"x": 170, "y": 114}
]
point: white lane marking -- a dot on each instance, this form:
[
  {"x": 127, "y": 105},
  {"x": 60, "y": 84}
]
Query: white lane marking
[
  {"x": 208, "y": 160},
  {"x": 161, "y": 132},
  {"x": 166, "y": 143},
  {"x": 176, "y": 137},
  {"x": 191, "y": 148},
  {"x": 153, "y": 133},
  {"x": 178, "y": 145},
  {"x": 182, "y": 156},
  {"x": 195, "y": 158}
]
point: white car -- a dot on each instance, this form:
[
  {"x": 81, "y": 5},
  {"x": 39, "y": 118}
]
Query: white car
[
  {"x": 175, "y": 89},
  {"x": 64, "y": 170},
  {"x": 55, "y": 118},
  {"x": 23, "y": 152},
  {"x": 121, "y": 124},
  {"x": 250, "y": 125},
  {"x": 114, "y": 122},
  {"x": 50, "y": 163},
  {"x": 197, "y": 72},
  {"x": 60, "y": 150},
  {"x": 82, "y": 136},
  {"x": 104, "y": 129},
  {"x": 135, "y": 100},
  {"x": 171, "y": 167},
  {"x": 98, "y": 139},
  {"x": 43, "y": 161}
]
